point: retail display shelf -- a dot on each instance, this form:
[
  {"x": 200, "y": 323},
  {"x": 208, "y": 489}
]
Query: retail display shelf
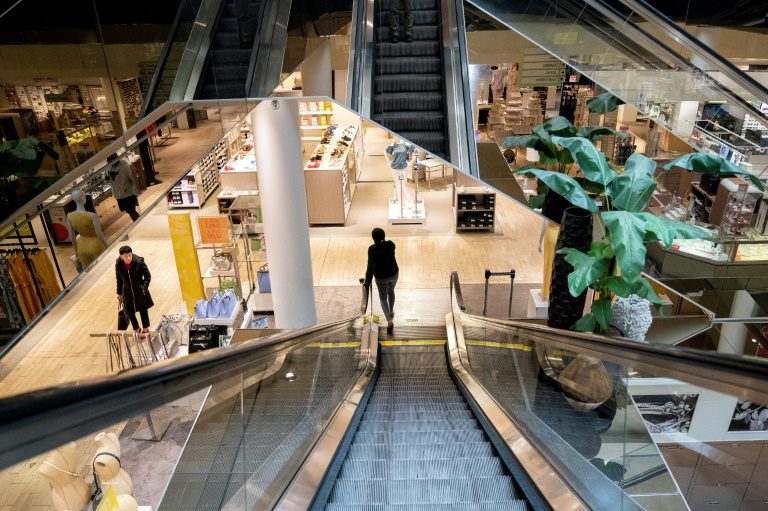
[
  {"x": 325, "y": 163},
  {"x": 183, "y": 206},
  {"x": 200, "y": 246},
  {"x": 312, "y": 139},
  {"x": 237, "y": 170},
  {"x": 252, "y": 229},
  {"x": 223, "y": 321},
  {"x": 318, "y": 127},
  {"x": 478, "y": 210},
  {"x": 319, "y": 112},
  {"x": 474, "y": 228},
  {"x": 184, "y": 189},
  {"x": 211, "y": 273}
]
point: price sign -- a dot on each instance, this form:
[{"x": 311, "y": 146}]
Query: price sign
[{"x": 214, "y": 230}]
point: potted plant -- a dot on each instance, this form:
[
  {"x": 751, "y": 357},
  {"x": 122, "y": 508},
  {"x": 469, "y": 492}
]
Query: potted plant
[{"x": 613, "y": 266}]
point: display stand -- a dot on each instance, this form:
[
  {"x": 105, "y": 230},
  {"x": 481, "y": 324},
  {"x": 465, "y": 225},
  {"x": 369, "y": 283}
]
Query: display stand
[
  {"x": 475, "y": 209},
  {"x": 538, "y": 306}
]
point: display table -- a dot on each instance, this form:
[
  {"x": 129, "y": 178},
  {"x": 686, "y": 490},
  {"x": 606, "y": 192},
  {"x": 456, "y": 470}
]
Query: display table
[
  {"x": 432, "y": 165},
  {"x": 239, "y": 173},
  {"x": 331, "y": 181}
]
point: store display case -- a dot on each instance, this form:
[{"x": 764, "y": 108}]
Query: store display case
[{"x": 475, "y": 209}]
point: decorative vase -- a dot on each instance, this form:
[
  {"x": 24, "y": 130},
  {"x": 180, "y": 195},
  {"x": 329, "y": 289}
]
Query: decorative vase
[
  {"x": 632, "y": 317},
  {"x": 575, "y": 232},
  {"x": 585, "y": 383}
]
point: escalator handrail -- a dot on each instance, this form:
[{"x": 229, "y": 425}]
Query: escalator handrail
[
  {"x": 161, "y": 62},
  {"x": 731, "y": 374},
  {"x": 723, "y": 65},
  {"x": 37, "y": 421}
]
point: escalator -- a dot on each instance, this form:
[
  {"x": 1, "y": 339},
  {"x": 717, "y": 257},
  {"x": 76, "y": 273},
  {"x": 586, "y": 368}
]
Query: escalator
[
  {"x": 477, "y": 414},
  {"x": 408, "y": 85}
]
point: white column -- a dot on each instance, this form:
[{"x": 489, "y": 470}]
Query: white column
[
  {"x": 733, "y": 336},
  {"x": 284, "y": 207},
  {"x": 316, "y": 72}
]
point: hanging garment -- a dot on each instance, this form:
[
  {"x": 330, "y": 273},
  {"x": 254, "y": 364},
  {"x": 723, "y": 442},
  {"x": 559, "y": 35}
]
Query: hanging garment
[
  {"x": 45, "y": 276},
  {"x": 8, "y": 296},
  {"x": 89, "y": 246},
  {"x": 512, "y": 80},
  {"x": 24, "y": 286},
  {"x": 497, "y": 81}
]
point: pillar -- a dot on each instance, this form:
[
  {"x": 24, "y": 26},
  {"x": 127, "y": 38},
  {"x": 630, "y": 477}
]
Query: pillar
[
  {"x": 317, "y": 72},
  {"x": 733, "y": 336},
  {"x": 284, "y": 208}
]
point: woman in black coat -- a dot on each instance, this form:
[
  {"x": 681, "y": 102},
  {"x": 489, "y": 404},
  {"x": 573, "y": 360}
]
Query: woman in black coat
[{"x": 133, "y": 279}]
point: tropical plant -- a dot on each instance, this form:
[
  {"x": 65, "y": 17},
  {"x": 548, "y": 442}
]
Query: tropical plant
[
  {"x": 22, "y": 158},
  {"x": 613, "y": 266},
  {"x": 551, "y": 155},
  {"x": 604, "y": 103}
]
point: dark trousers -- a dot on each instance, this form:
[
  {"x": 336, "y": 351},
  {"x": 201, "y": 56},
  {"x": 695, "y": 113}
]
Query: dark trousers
[
  {"x": 386, "y": 289},
  {"x": 129, "y": 205},
  {"x": 144, "y": 319},
  {"x": 394, "y": 18}
]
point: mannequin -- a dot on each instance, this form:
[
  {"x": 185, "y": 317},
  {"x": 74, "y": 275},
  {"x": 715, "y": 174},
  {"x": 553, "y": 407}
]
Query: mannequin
[
  {"x": 399, "y": 155},
  {"x": 87, "y": 238},
  {"x": 512, "y": 79},
  {"x": 106, "y": 465},
  {"x": 68, "y": 490},
  {"x": 127, "y": 503}
]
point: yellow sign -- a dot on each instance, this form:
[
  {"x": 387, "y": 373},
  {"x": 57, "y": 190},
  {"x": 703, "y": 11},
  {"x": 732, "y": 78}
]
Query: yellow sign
[
  {"x": 214, "y": 230},
  {"x": 187, "y": 264},
  {"x": 109, "y": 501}
]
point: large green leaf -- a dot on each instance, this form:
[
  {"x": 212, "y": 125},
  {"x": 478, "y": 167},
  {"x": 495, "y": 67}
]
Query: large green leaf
[
  {"x": 561, "y": 184},
  {"x": 643, "y": 289},
  {"x": 713, "y": 165},
  {"x": 586, "y": 324},
  {"x": 630, "y": 190},
  {"x": 601, "y": 310},
  {"x": 595, "y": 132},
  {"x": 605, "y": 102},
  {"x": 559, "y": 126},
  {"x": 600, "y": 249},
  {"x": 618, "y": 286},
  {"x": 23, "y": 158},
  {"x": 659, "y": 228},
  {"x": 591, "y": 161},
  {"x": 521, "y": 141},
  {"x": 626, "y": 231},
  {"x": 536, "y": 201},
  {"x": 586, "y": 269}
]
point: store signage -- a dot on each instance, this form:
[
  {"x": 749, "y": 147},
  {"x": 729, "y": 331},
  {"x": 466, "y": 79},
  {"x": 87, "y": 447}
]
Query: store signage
[
  {"x": 44, "y": 79},
  {"x": 540, "y": 69},
  {"x": 187, "y": 263},
  {"x": 57, "y": 98},
  {"x": 214, "y": 230}
]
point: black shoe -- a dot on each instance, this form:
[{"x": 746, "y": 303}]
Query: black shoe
[
  {"x": 408, "y": 38},
  {"x": 394, "y": 40},
  {"x": 390, "y": 328}
]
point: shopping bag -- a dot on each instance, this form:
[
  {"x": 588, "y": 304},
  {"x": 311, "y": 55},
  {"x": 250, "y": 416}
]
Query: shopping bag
[
  {"x": 201, "y": 309},
  {"x": 228, "y": 301},
  {"x": 215, "y": 306},
  {"x": 262, "y": 277},
  {"x": 122, "y": 317}
]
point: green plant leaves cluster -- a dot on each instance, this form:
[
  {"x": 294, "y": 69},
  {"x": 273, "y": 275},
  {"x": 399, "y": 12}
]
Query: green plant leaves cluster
[
  {"x": 604, "y": 103},
  {"x": 712, "y": 165},
  {"x": 22, "y": 158}
]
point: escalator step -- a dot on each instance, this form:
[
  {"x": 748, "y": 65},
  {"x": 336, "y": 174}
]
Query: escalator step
[
  {"x": 230, "y": 56},
  {"x": 508, "y": 505},
  {"x": 417, "y": 407},
  {"x": 420, "y": 17},
  {"x": 418, "y": 5},
  {"x": 226, "y": 40},
  {"x": 418, "y": 33},
  {"x": 417, "y": 65},
  {"x": 422, "y": 469},
  {"x": 406, "y": 101},
  {"x": 428, "y": 437},
  {"x": 407, "y": 83},
  {"x": 412, "y": 121},
  {"x": 420, "y": 452},
  {"x": 413, "y": 49},
  {"x": 417, "y": 416},
  {"x": 418, "y": 426},
  {"x": 227, "y": 24},
  {"x": 425, "y": 491}
]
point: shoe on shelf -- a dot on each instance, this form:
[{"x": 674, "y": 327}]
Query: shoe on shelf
[{"x": 390, "y": 327}]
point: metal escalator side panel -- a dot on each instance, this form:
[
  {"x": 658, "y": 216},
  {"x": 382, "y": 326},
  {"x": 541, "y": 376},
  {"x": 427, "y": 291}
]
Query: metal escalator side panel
[
  {"x": 269, "y": 48},
  {"x": 552, "y": 487}
]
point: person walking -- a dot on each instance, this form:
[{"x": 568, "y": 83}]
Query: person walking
[
  {"x": 133, "y": 280},
  {"x": 125, "y": 187},
  {"x": 395, "y": 7},
  {"x": 382, "y": 266}
]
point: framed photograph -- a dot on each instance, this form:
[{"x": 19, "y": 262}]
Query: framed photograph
[
  {"x": 749, "y": 416},
  {"x": 667, "y": 413}
]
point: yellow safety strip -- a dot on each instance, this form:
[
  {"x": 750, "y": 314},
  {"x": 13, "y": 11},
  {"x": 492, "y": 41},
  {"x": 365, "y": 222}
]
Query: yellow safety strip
[
  {"x": 499, "y": 345},
  {"x": 413, "y": 342},
  {"x": 333, "y": 345}
]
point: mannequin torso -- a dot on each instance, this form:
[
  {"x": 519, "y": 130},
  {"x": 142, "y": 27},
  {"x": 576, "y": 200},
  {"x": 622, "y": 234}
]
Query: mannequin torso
[
  {"x": 87, "y": 238},
  {"x": 106, "y": 465},
  {"x": 68, "y": 490}
]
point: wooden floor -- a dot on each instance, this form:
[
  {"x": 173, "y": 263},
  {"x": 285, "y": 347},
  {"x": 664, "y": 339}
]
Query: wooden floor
[{"x": 60, "y": 351}]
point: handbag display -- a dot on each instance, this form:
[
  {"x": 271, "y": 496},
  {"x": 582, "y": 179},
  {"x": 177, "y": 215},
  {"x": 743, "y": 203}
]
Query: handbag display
[
  {"x": 262, "y": 277},
  {"x": 201, "y": 309},
  {"x": 221, "y": 305},
  {"x": 215, "y": 306},
  {"x": 228, "y": 303},
  {"x": 221, "y": 261}
]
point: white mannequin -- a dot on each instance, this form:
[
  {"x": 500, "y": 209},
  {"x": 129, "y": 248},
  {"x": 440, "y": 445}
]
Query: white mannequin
[
  {"x": 79, "y": 199},
  {"x": 69, "y": 492},
  {"x": 127, "y": 503},
  {"x": 398, "y": 175},
  {"x": 106, "y": 465}
]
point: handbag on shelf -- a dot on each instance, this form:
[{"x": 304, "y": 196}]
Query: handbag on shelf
[
  {"x": 221, "y": 261},
  {"x": 262, "y": 277},
  {"x": 228, "y": 303},
  {"x": 215, "y": 306},
  {"x": 201, "y": 309}
]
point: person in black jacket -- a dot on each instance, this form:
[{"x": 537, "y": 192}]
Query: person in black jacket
[
  {"x": 383, "y": 266},
  {"x": 133, "y": 279}
]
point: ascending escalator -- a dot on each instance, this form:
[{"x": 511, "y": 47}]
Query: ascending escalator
[
  {"x": 419, "y": 446},
  {"x": 408, "y": 85}
]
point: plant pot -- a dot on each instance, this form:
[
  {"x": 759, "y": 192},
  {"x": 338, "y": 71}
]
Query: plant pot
[
  {"x": 575, "y": 232},
  {"x": 632, "y": 317}
]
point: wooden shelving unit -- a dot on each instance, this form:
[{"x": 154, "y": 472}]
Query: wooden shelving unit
[{"x": 475, "y": 209}]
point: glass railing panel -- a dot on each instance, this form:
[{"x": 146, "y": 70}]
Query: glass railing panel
[
  {"x": 612, "y": 430},
  {"x": 285, "y": 409}
]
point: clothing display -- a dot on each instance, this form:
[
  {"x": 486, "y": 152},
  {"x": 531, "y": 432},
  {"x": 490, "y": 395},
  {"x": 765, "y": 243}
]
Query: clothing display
[
  {"x": 26, "y": 286},
  {"x": 498, "y": 80},
  {"x": 401, "y": 154},
  {"x": 89, "y": 246}
]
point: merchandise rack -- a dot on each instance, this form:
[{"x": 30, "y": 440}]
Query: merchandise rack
[{"x": 475, "y": 209}]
